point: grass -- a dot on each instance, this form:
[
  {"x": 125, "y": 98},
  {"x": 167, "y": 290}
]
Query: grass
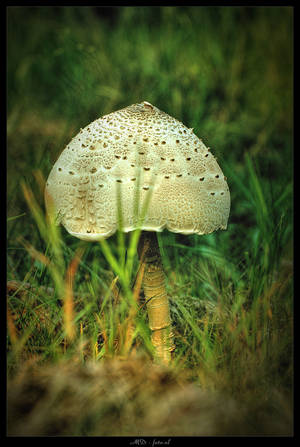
[{"x": 220, "y": 71}]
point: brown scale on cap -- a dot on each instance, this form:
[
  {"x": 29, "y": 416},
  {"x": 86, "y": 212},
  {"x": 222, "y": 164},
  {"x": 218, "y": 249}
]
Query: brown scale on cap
[{"x": 189, "y": 193}]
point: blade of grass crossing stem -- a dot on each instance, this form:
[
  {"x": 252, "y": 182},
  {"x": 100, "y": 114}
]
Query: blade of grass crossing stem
[{"x": 135, "y": 235}]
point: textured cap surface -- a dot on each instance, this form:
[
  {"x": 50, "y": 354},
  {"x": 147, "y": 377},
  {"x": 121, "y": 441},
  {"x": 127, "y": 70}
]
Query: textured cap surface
[{"x": 135, "y": 154}]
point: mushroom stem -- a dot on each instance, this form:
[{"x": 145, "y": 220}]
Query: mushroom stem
[{"x": 156, "y": 297}]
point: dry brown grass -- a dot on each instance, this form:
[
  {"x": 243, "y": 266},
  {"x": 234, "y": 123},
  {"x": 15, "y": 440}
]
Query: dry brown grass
[{"x": 131, "y": 398}]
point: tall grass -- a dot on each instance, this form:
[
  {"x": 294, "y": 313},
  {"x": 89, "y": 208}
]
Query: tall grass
[
  {"x": 218, "y": 70},
  {"x": 228, "y": 320}
]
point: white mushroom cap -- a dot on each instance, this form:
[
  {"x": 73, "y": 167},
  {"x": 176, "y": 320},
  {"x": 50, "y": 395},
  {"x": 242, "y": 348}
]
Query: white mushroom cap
[{"x": 124, "y": 157}]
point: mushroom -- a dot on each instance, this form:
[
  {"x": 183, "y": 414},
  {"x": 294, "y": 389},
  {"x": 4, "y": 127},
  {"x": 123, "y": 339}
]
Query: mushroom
[{"x": 140, "y": 152}]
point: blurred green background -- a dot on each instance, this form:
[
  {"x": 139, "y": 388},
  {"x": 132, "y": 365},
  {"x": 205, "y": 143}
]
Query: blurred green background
[{"x": 227, "y": 72}]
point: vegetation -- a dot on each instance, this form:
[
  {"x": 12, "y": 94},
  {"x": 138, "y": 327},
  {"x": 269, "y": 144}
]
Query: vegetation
[{"x": 226, "y": 72}]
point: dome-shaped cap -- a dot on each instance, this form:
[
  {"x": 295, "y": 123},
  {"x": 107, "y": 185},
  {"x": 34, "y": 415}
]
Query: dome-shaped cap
[{"x": 134, "y": 152}]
